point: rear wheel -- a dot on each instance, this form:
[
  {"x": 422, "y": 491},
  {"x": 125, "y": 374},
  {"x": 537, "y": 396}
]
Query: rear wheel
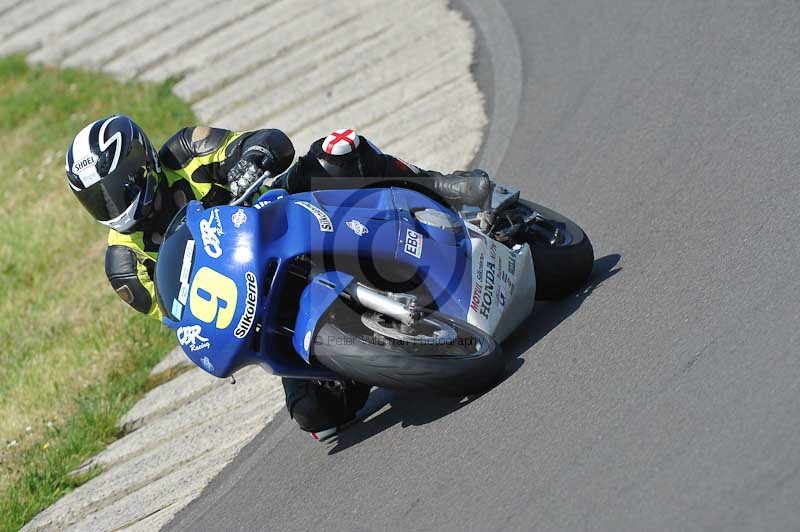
[
  {"x": 562, "y": 253},
  {"x": 438, "y": 354}
]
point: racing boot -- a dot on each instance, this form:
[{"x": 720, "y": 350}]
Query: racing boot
[
  {"x": 469, "y": 187},
  {"x": 323, "y": 408}
]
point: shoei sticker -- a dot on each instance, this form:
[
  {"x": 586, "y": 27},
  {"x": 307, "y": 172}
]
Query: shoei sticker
[
  {"x": 84, "y": 163},
  {"x": 325, "y": 224},
  {"x": 357, "y": 227},
  {"x": 307, "y": 341},
  {"x": 413, "y": 245},
  {"x": 239, "y": 218},
  {"x": 209, "y": 231},
  {"x": 246, "y": 323}
]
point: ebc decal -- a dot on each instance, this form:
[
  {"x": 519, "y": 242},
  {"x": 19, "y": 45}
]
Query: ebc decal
[
  {"x": 413, "y": 245},
  {"x": 213, "y": 297}
]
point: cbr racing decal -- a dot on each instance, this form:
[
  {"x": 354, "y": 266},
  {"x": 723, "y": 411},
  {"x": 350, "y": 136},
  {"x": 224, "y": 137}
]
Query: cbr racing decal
[
  {"x": 325, "y": 224},
  {"x": 210, "y": 230},
  {"x": 191, "y": 336},
  {"x": 413, "y": 245},
  {"x": 246, "y": 323}
]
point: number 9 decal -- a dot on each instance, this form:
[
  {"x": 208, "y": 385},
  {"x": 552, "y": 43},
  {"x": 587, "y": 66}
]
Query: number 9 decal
[{"x": 213, "y": 296}]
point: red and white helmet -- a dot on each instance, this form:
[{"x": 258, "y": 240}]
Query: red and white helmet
[
  {"x": 345, "y": 153},
  {"x": 341, "y": 142}
]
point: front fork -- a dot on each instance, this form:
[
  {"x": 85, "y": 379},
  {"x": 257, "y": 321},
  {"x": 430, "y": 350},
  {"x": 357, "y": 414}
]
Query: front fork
[
  {"x": 502, "y": 198},
  {"x": 325, "y": 288},
  {"x": 401, "y": 307}
]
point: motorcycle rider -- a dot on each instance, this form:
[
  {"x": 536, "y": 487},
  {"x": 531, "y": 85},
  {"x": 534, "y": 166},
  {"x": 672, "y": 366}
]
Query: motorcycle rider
[
  {"x": 345, "y": 159},
  {"x": 127, "y": 185}
]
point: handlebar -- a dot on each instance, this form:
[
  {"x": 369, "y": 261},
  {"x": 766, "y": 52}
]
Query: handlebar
[{"x": 254, "y": 186}]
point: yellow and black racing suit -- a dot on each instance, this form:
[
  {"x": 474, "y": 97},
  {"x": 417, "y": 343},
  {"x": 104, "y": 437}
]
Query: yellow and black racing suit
[{"x": 195, "y": 163}]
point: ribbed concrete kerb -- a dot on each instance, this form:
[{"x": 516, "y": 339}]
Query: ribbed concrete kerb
[{"x": 399, "y": 72}]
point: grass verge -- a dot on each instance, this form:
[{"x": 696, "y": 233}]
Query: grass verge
[{"x": 73, "y": 356}]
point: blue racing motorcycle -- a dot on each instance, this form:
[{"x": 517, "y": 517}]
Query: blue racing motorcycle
[{"x": 385, "y": 286}]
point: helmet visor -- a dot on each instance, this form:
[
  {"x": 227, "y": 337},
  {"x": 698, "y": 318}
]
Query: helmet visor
[
  {"x": 342, "y": 165},
  {"x": 122, "y": 199}
]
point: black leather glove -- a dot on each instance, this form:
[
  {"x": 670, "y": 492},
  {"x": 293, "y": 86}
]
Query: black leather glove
[{"x": 254, "y": 162}]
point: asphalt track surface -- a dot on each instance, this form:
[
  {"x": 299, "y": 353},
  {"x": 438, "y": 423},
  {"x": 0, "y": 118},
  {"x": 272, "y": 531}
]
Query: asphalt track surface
[{"x": 667, "y": 395}]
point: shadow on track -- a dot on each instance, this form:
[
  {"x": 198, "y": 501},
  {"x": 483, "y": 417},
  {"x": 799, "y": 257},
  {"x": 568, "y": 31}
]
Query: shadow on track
[
  {"x": 549, "y": 314},
  {"x": 403, "y": 408},
  {"x": 414, "y": 410}
]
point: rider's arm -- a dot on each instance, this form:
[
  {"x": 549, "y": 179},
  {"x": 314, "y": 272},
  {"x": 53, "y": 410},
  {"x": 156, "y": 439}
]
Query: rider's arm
[
  {"x": 131, "y": 275},
  {"x": 257, "y": 142},
  {"x": 207, "y": 154},
  {"x": 378, "y": 169},
  {"x": 398, "y": 168}
]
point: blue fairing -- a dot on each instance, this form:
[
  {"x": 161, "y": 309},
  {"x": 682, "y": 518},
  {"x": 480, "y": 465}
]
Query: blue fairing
[
  {"x": 225, "y": 279},
  {"x": 318, "y": 296}
]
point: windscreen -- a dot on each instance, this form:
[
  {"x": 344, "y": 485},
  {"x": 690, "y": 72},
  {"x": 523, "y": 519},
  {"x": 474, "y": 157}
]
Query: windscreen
[{"x": 173, "y": 267}]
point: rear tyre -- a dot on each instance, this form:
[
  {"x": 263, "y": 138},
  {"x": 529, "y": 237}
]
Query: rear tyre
[
  {"x": 441, "y": 355},
  {"x": 562, "y": 253}
]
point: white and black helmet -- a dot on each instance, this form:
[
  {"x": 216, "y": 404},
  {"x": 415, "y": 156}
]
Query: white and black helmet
[{"x": 113, "y": 170}]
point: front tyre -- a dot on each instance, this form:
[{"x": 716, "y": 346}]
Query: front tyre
[
  {"x": 440, "y": 355},
  {"x": 562, "y": 253}
]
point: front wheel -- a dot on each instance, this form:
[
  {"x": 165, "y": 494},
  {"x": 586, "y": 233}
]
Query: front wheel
[
  {"x": 438, "y": 354},
  {"x": 562, "y": 253}
]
